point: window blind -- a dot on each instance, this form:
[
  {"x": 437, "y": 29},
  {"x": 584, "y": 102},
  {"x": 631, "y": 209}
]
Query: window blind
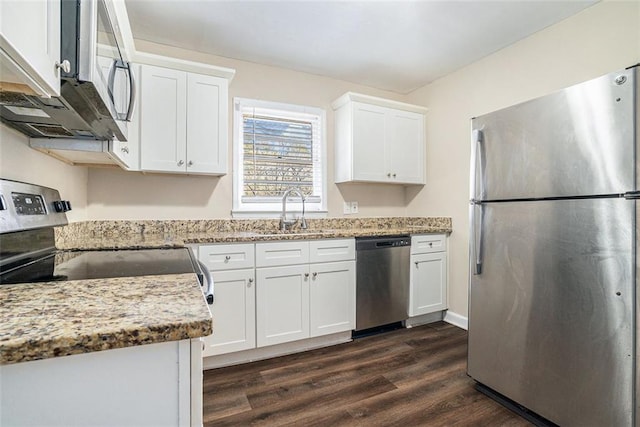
[{"x": 280, "y": 150}]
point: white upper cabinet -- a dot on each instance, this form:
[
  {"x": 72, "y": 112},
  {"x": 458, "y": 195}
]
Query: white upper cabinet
[
  {"x": 183, "y": 121},
  {"x": 30, "y": 44},
  {"x": 379, "y": 140},
  {"x": 163, "y": 119}
]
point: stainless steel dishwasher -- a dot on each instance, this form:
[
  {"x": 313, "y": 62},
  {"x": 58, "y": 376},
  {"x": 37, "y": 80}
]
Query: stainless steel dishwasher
[{"x": 382, "y": 281}]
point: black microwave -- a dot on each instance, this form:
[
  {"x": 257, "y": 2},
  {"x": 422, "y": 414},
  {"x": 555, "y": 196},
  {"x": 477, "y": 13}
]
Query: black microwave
[{"x": 97, "y": 72}]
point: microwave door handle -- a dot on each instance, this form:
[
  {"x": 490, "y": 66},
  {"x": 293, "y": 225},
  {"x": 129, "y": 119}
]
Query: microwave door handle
[
  {"x": 132, "y": 92},
  {"x": 111, "y": 85},
  {"x": 118, "y": 64}
]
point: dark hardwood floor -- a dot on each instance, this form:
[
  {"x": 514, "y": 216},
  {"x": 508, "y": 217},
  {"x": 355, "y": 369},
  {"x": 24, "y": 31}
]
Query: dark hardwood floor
[{"x": 407, "y": 377}]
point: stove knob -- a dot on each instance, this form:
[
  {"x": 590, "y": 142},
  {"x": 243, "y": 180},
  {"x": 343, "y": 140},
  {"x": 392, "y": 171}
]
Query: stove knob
[
  {"x": 58, "y": 206},
  {"x": 66, "y": 205}
]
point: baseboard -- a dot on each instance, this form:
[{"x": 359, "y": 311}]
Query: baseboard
[
  {"x": 424, "y": 319},
  {"x": 457, "y": 320},
  {"x": 245, "y": 356}
]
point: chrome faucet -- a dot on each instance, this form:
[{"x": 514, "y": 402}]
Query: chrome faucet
[{"x": 284, "y": 222}]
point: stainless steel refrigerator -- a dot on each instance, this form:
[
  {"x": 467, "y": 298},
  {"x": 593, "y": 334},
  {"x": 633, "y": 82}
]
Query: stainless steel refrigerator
[{"x": 553, "y": 252}]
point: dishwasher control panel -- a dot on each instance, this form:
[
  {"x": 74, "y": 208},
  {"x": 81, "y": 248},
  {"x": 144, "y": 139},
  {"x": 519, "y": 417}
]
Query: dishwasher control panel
[{"x": 364, "y": 243}]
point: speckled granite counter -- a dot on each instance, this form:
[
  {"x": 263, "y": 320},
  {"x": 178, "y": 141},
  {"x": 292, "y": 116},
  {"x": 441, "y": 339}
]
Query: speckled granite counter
[
  {"x": 165, "y": 234},
  {"x": 46, "y": 320},
  {"x": 63, "y": 318}
]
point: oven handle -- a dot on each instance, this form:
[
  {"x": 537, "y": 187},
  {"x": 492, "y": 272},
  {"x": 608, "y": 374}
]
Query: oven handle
[{"x": 207, "y": 277}]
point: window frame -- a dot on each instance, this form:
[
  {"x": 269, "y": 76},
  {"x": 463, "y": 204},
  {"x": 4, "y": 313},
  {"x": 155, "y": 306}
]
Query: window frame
[{"x": 272, "y": 209}]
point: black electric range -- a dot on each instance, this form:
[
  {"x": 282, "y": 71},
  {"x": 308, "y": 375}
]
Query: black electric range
[{"x": 28, "y": 214}]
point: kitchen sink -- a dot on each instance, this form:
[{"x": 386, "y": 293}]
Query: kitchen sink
[{"x": 297, "y": 233}]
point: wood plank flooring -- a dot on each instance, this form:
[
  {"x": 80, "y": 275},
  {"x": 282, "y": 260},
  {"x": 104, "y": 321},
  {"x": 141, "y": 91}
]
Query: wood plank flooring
[{"x": 407, "y": 377}]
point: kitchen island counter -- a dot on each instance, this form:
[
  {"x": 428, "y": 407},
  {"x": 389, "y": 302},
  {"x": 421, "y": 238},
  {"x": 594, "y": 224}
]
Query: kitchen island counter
[{"x": 45, "y": 320}]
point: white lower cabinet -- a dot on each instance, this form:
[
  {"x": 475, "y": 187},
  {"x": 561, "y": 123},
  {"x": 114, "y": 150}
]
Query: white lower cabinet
[
  {"x": 146, "y": 385},
  {"x": 308, "y": 299},
  {"x": 233, "y": 311},
  {"x": 234, "y": 305},
  {"x": 298, "y": 290},
  {"x": 282, "y": 304},
  {"x": 428, "y": 275},
  {"x": 332, "y": 298}
]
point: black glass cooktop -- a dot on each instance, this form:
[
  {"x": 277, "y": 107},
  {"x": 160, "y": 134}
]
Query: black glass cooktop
[{"x": 101, "y": 264}]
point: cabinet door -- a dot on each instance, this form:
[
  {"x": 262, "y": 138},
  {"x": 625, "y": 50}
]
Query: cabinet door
[
  {"x": 163, "y": 104},
  {"x": 207, "y": 114},
  {"x": 405, "y": 147},
  {"x": 227, "y": 257},
  {"x": 282, "y": 304},
  {"x": 426, "y": 243},
  {"x": 332, "y": 297},
  {"x": 428, "y": 283},
  {"x": 368, "y": 142},
  {"x": 233, "y": 312},
  {"x": 273, "y": 254},
  {"x": 30, "y": 39}
]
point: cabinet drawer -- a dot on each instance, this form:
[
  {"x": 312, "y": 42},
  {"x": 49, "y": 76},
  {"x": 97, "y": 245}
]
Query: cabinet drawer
[
  {"x": 281, "y": 253},
  {"x": 426, "y": 243},
  {"x": 332, "y": 250},
  {"x": 227, "y": 257}
]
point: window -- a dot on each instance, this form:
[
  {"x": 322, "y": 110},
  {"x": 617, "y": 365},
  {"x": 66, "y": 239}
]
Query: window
[{"x": 276, "y": 147}]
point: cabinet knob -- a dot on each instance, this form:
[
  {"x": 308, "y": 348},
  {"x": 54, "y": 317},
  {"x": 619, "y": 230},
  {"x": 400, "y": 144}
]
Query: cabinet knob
[
  {"x": 227, "y": 258},
  {"x": 190, "y": 163},
  {"x": 394, "y": 175},
  {"x": 417, "y": 263},
  {"x": 430, "y": 244},
  {"x": 64, "y": 66},
  {"x": 315, "y": 275},
  {"x": 125, "y": 149},
  {"x": 250, "y": 281},
  {"x": 180, "y": 162},
  {"x": 306, "y": 275},
  {"x": 388, "y": 175}
]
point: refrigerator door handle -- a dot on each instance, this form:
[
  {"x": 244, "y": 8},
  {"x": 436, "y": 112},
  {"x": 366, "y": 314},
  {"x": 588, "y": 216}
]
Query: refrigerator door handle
[
  {"x": 476, "y": 236},
  {"x": 476, "y": 164}
]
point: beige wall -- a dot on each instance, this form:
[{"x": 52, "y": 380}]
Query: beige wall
[
  {"x": 601, "y": 39},
  {"x": 598, "y": 40},
  {"x": 115, "y": 194},
  {"x": 21, "y": 163}
]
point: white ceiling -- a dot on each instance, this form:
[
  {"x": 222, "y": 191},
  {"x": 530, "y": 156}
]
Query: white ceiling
[{"x": 393, "y": 45}]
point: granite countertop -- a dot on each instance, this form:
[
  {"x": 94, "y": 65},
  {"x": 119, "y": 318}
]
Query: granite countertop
[
  {"x": 45, "y": 320},
  {"x": 170, "y": 234}
]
